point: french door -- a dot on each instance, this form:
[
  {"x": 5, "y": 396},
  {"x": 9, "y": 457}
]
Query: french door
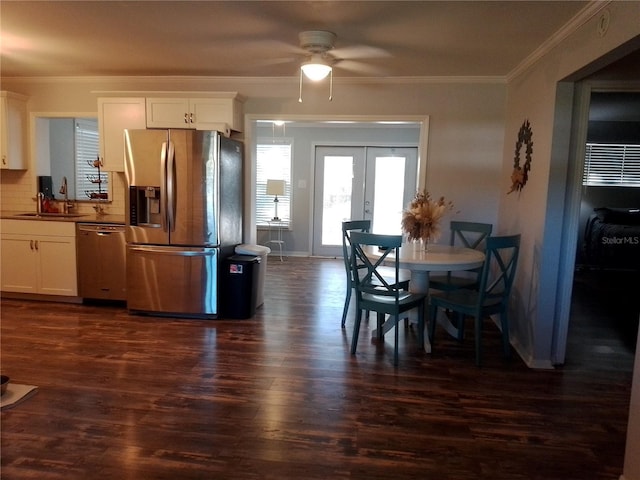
[{"x": 353, "y": 183}]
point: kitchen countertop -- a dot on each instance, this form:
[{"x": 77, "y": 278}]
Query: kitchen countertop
[{"x": 80, "y": 218}]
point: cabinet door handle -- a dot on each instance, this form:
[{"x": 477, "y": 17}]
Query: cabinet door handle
[
  {"x": 36, "y": 242},
  {"x": 191, "y": 117},
  {"x": 31, "y": 244},
  {"x": 186, "y": 118}
]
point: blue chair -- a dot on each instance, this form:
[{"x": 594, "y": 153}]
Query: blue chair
[
  {"x": 469, "y": 235},
  {"x": 376, "y": 293},
  {"x": 491, "y": 297},
  {"x": 361, "y": 226}
]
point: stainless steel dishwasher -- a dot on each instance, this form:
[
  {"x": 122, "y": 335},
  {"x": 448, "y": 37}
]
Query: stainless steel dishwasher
[{"x": 102, "y": 271}]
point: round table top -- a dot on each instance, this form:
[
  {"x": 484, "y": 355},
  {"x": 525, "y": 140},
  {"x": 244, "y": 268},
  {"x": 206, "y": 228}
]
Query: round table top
[{"x": 437, "y": 258}]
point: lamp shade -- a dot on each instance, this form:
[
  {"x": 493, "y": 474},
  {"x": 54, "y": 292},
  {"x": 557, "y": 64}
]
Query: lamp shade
[
  {"x": 275, "y": 187},
  {"x": 316, "y": 68}
]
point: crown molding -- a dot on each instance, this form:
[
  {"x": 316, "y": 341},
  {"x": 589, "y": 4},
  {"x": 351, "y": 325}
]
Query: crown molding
[
  {"x": 586, "y": 14},
  {"x": 181, "y": 80}
]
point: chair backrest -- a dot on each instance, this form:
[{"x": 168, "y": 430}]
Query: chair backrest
[
  {"x": 347, "y": 228},
  {"x": 499, "y": 269},
  {"x": 370, "y": 280},
  {"x": 470, "y": 234}
]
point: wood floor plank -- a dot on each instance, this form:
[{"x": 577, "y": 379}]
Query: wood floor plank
[{"x": 280, "y": 397}]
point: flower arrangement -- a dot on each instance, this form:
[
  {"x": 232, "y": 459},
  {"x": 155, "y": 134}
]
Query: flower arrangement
[{"x": 421, "y": 221}]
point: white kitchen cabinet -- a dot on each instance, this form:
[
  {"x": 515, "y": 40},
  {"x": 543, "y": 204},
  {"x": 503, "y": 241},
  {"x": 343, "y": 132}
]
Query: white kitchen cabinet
[
  {"x": 114, "y": 116},
  {"x": 38, "y": 257},
  {"x": 13, "y": 131},
  {"x": 203, "y": 113}
]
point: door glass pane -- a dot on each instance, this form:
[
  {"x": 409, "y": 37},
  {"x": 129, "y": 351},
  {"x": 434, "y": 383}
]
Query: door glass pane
[
  {"x": 388, "y": 195},
  {"x": 336, "y": 200}
]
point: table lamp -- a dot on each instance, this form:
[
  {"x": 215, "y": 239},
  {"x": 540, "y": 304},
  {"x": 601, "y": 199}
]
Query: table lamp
[{"x": 275, "y": 187}]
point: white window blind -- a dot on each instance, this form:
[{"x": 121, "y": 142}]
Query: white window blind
[
  {"x": 273, "y": 162},
  {"x": 86, "y": 145},
  {"x": 608, "y": 164}
]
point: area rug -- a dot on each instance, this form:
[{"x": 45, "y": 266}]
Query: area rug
[{"x": 15, "y": 394}]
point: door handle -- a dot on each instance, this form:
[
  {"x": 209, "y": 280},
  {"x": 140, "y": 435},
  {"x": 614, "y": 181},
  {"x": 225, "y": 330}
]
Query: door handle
[
  {"x": 204, "y": 252},
  {"x": 171, "y": 186},
  {"x": 163, "y": 186},
  {"x": 186, "y": 118}
]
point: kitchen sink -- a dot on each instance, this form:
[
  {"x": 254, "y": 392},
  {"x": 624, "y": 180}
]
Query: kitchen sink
[{"x": 49, "y": 215}]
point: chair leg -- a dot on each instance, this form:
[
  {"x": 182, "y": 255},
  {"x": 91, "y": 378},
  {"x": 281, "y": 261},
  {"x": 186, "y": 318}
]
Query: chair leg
[
  {"x": 433, "y": 311},
  {"x": 396, "y": 319},
  {"x": 460, "y": 325},
  {"x": 345, "y": 310},
  {"x": 421, "y": 313},
  {"x": 506, "y": 344},
  {"x": 379, "y": 323},
  {"x": 356, "y": 331},
  {"x": 478, "y": 322}
]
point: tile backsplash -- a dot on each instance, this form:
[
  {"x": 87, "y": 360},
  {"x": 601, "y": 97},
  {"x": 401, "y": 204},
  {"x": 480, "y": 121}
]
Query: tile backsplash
[{"x": 18, "y": 190}]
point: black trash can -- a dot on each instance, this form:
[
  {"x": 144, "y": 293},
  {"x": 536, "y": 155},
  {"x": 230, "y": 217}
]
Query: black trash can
[{"x": 241, "y": 286}]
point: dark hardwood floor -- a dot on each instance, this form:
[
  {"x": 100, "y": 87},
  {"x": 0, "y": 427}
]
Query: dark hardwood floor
[{"x": 280, "y": 397}]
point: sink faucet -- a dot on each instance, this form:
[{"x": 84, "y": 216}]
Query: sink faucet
[{"x": 64, "y": 191}]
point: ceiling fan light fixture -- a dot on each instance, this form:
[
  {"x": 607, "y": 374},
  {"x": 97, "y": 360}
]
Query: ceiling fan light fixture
[{"x": 316, "y": 68}]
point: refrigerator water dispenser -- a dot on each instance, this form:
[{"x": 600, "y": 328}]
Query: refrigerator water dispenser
[{"x": 144, "y": 205}]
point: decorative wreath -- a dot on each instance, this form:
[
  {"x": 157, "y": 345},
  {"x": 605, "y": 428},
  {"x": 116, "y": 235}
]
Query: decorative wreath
[{"x": 520, "y": 174}]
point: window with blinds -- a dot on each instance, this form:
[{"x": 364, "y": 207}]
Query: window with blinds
[
  {"x": 273, "y": 162},
  {"x": 608, "y": 164},
  {"x": 88, "y": 183}
]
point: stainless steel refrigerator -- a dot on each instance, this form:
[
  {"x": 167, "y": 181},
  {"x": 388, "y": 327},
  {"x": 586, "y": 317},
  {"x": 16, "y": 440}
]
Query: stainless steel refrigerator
[{"x": 183, "y": 218}]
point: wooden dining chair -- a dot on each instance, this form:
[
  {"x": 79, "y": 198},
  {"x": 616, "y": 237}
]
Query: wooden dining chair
[
  {"x": 491, "y": 297},
  {"x": 361, "y": 226},
  {"x": 375, "y": 292},
  {"x": 469, "y": 235}
]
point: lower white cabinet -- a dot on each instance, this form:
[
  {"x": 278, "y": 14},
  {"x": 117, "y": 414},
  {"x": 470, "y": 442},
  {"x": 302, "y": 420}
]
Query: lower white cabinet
[{"x": 38, "y": 257}]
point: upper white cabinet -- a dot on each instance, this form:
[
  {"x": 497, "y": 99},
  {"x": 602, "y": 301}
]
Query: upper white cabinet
[
  {"x": 114, "y": 116},
  {"x": 203, "y": 113},
  {"x": 13, "y": 131}
]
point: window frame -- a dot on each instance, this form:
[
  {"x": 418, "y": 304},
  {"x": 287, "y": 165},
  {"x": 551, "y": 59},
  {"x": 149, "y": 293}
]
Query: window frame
[{"x": 265, "y": 203}]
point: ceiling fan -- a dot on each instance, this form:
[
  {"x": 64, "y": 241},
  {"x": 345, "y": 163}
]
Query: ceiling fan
[
  {"x": 319, "y": 62},
  {"x": 321, "y": 56}
]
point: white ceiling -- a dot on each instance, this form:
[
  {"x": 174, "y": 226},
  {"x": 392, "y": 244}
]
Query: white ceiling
[{"x": 260, "y": 38}]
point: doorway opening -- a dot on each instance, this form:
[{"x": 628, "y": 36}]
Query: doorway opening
[
  {"x": 614, "y": 78},
  {"x": 379, "y": 140}
]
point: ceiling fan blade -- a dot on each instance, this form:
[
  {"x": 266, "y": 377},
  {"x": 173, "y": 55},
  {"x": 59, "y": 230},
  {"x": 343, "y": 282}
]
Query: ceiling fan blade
[
  {"x": 359, "y": 51},
  {"x": 360, "y": 67}
]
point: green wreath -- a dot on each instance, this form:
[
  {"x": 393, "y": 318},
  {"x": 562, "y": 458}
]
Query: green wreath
[{"x": 520, "y": 174}]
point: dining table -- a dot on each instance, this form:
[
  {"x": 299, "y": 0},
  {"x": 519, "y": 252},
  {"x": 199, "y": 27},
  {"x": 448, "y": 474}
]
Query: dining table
[{"x": 420, "y": 261}]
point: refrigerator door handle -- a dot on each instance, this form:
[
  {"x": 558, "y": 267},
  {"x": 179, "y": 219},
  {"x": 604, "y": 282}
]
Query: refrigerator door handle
[
  {"x": 174, "y": 252},
  {"x": 171, "y": 185},
  {"x": 163, "y": 187}
]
